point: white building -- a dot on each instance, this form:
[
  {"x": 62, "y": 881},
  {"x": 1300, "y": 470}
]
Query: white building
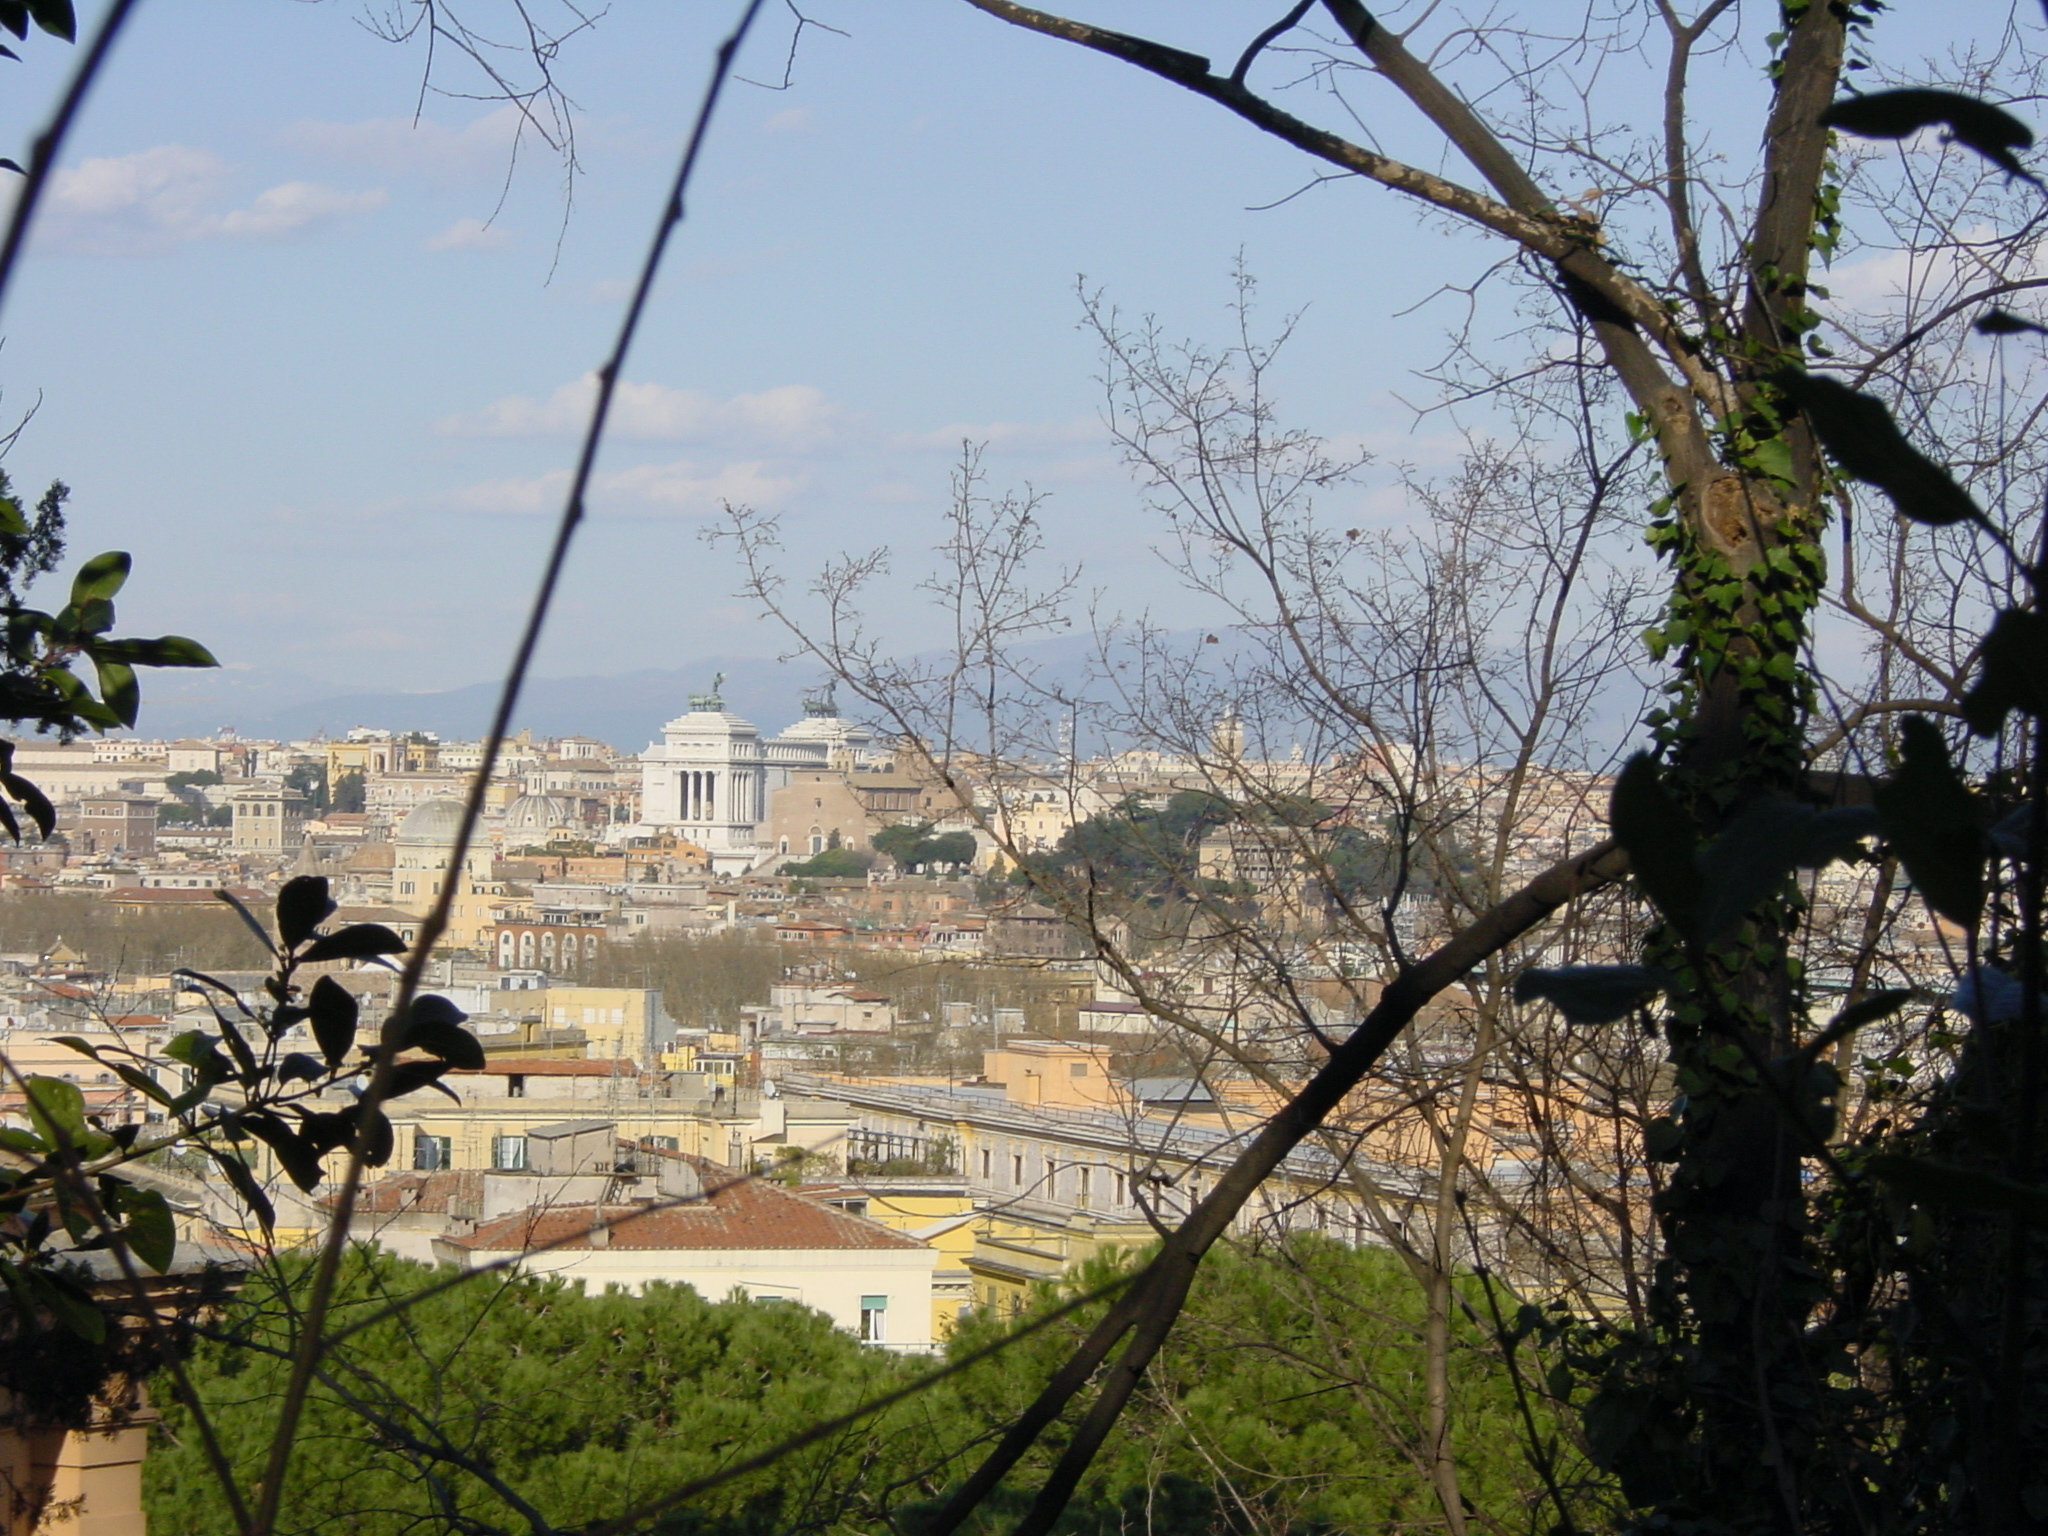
[
  {"x": 709, "y": 778},
  {"x": 720, "y": 1232}
]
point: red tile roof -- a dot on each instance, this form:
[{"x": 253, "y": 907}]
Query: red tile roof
[
  {"x": 402, "y": 1193},
  {"x": 739, "y": 1213}
]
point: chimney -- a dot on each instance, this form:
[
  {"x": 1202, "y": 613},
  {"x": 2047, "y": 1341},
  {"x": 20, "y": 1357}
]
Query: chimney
[{"x": 600, "y": 1234}]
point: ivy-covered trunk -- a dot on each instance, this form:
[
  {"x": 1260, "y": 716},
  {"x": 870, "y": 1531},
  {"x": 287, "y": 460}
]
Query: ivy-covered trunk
[{"x": 1715, "y": 1421}]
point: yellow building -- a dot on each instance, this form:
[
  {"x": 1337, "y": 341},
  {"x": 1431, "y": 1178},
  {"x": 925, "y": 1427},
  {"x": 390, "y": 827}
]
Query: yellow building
[{"x": 617, "y": 1021}]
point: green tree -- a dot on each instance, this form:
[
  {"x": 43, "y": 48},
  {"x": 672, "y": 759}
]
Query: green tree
[
  {"x": 834, "y": 864},
  {"x": 349, "y": 795},
  {"x": 1289, "y": 1397},
  {"x": 511, "y": 1396},
  {"x": 310, "y": 780}
]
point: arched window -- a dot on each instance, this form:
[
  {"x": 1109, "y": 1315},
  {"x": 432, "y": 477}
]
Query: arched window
[
  {"x": 526, "y": 949},
  {"x": 817, "y": 840}
]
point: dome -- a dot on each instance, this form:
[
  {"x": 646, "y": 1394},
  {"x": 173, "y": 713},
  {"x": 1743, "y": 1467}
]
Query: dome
[
  {"x": 434, "y": 822},
  {"x": 832, "y": 729},
  {"x": 538, "y": 815}
]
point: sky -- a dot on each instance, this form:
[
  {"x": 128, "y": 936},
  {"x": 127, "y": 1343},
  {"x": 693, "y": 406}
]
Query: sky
[{"x": 315, "y": 345}]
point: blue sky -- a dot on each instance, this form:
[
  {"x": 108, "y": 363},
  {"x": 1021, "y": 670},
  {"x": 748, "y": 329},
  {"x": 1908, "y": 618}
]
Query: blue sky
[{"x": 294, "y": 352}]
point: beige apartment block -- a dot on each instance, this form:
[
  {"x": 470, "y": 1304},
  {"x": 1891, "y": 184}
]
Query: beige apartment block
[
  {"x": 268, "y": 819},
  {"x": 619, "y": 1022}
]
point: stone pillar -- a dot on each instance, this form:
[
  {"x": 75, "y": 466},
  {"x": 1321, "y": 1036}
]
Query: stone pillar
[{"x": 76, "y": 1482}]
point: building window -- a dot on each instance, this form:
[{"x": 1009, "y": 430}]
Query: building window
[
  {"x": 1123, "y": 1190},
  {"x": 1017, "y": 1169},
  {"x": 1078, "y": 1069},
  {"x": 988, "y": 1159},
  {"x": 1082, "y": 1181},
  {"x": 874, "y": 1316},
  {"x": 515, "y": 1085},
  {"x": 508, "y": 1153},
  {"x": 430, "y": 1153}
]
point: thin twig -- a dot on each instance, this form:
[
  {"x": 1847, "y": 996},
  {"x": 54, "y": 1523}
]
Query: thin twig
[
  {"x": 44, "y": 156},
  {"x": 436, "y": 922}
]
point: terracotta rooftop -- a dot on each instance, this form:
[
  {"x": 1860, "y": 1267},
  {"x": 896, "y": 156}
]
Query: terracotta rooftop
[
  {"x": 739, "y": 1213},
  {"x": 435, "y": 1193},
  {"x": 181, "y": 896}
]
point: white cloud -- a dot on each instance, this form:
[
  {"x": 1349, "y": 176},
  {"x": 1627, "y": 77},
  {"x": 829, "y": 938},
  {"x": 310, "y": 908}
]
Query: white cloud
[
  {"x": 470, "y": 235},
  {"x": 790, "y": 416},
  {"x": 646, "y": 490},
  {"x": 296, "y": 207},
  {"x": 480, "y": 148},
  {"x": 1885, "y": 280},
  {"x": 678, "y": 486},
  {"x": 127, "y": 205},
  {"x": 514, "y": 494}
]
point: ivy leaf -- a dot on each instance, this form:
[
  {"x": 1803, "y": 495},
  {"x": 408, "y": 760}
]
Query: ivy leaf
[
  {"x": 165, "y": 651},
  {"x": 56, "y": 18},
  {"x": 302, "y": 906},
  {"x": 1931, "y": 820},
  {"x": 1860, "y": 436},
  {"x": 149, "y": 1227},
  {"x": 451, "y": 1042},
  {"x": 246, "y": 1187},
  {"x": 325, "y": 1130},
  {"x": 198, "y": 1051},
  {"x": 248, "y": 919},
  {"x": 1592, "y": 994},
  {"x": 118, "y": 689},
  {"x": 358, "y": 941},
  {"x": 141, "y": 1082},
  {"x": 1660, "y": 840},
  {"x": 294, "y": 1154},
  {"x": 205, "y": 981},
  {"x": 70, "y": 1302},
  {"x": 1752, "y": 857},
  {"x": 2012, "y": 672},
  {"x": 32, "y": 800},
  {"x": 1926, "y": 1181},
  {"x": 333, "y": 1013},
  {"x": 374, "y": 1136},
  {"x": 411, "y": 1076},
  {"x": 2000, "y": 322},
  {"x": 57, "y": 1110},
  {"x": 434, "y": 1024},
  {"x": 1991, "y": 131},
  {"x": 101, "y": 577}
]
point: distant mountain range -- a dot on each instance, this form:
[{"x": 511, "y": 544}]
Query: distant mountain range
[{"x": 627, "y": 710}]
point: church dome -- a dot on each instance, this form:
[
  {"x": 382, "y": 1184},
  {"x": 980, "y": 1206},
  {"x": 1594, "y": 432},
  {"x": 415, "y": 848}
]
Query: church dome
[
  {"x": 432, "y": 822},
  {"x": 538, "y": 815}
]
